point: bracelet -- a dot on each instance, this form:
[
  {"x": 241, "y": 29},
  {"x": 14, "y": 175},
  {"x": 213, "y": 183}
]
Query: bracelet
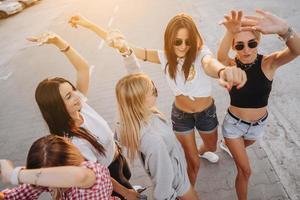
[
  {"x": 220, "y": 70},
  {"x": 65, "y": 49},
  {"x": 288, "y": 35},
  {"x": 14, "y": 178},
  {"x": 146, "y": 58}
]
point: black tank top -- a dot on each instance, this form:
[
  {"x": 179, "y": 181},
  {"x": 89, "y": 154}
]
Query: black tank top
[{"x": 256, "y": 91}]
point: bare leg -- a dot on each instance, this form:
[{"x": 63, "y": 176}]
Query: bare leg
[
  {"x": 190, "y": 195},
  {"x": 209, "y": 141},
  {"x": 188, "y": 143},
  {"x": 238, "y": 149}
]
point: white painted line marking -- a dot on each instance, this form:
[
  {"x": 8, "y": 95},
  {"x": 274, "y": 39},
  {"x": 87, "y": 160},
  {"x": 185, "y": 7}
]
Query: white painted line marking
[
  {"x": 111, "y": 21},
  {"x": 92, "y": 67},
  {"x": 116, "y": 8},
  {"x": 101, "y": 45},
  {"x": 6, "y": 77}
]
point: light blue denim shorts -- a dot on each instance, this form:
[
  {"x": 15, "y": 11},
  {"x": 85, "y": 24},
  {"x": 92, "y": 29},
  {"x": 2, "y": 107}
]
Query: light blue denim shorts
[{"x": 233, "y": 127}]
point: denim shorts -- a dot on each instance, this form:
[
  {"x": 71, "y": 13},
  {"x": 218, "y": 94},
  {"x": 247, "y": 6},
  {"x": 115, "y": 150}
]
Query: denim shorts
[
  {"x": 233, "y": 127},
  {"x": 205, "y": 121}
]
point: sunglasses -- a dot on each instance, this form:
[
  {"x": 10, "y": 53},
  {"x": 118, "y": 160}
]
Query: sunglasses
[
  {"x": 154, "y": 90},
  {"x": 251, "y": 44},
  {"x": 179, "y": 42}
]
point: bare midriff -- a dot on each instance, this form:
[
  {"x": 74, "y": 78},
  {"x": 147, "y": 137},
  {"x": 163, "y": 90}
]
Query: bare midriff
[
  {"x": 186, "y": 104},
  {"x": 248, "y": 114}
]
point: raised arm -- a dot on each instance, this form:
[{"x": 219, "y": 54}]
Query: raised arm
[
  {"x": 141, "y": 53},
  {"x": 269, "y": 23},
  {"x": 79, "y": 63},
  {"x": 62, "y": 177},
  {"x": 232, "y": 22}
]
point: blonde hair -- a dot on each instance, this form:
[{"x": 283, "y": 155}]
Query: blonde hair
[{"x": 131, "y": 93}]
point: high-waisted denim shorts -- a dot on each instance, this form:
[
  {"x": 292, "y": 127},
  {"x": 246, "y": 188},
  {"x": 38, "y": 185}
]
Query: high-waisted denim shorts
[
  {"x": 233, "y": 127},
  {"x": 205, "y": 121}
]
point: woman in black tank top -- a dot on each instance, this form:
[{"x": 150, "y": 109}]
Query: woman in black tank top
[{"x": 247, "y": 112}]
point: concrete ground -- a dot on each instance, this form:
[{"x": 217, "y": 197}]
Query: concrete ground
[{"x": 275, "y": 159}]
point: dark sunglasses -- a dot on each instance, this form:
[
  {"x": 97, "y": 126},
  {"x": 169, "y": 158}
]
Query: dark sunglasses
[
  {"x": 179, "y": 42},
  {"x": 251, "y": 44},
  {"x": 154, "y": 90}
]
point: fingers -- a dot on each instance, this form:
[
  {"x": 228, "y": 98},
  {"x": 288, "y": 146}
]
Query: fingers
[
  {"x": 255, "y": 18},
  {"x": 224, "y": 84},
  {"x": 74, "y": 21},
  {"x": 233, "y": 14},
  {"x": 261, "y": 12},
  {"x": 240, "y": 15},
  {"x": 226, "y": 78},
  {"x": 32, "y": 39},
  {"x": 248, "y": 28},
  {"x": 243, "y": 80}
]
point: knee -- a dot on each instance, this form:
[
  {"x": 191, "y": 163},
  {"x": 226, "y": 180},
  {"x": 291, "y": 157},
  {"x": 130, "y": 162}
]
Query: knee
[
  {"x": 245, "y": 172},
  {"x": 193, "y": 162}
]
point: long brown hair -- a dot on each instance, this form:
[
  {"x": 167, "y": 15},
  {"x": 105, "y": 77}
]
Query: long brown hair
[
  {"x": 177, "y": 22},
  {"x": 54, "y": 112}
]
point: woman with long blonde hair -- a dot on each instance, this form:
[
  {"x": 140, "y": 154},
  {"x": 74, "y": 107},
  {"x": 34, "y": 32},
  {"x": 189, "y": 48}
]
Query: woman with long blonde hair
[{"x": 145, "y": 133}]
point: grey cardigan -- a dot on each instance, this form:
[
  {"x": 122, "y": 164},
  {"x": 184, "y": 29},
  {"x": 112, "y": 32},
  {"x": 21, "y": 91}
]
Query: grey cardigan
[
  {"x": 163, "y": 156},
  {"x": 164, "y": 160}
]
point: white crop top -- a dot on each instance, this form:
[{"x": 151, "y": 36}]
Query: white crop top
[{"x": 198, "y": 83}]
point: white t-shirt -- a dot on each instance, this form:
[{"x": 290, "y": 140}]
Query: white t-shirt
[
  {"x": 99, "y": 128},
  {"x": 198, "y": 86}
]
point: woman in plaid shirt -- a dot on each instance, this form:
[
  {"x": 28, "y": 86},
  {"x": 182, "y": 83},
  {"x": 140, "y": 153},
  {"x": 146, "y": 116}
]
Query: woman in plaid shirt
[{"x": 55, "y": 165}]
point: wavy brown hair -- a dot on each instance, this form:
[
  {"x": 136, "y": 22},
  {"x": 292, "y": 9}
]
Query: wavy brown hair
[
  {"x": 178, "y": 22},
  {"x": 54, "y": 112}
]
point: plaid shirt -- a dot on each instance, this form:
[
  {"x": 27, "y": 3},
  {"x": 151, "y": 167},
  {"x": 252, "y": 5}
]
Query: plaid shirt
[{"x": 101, "y": 190}]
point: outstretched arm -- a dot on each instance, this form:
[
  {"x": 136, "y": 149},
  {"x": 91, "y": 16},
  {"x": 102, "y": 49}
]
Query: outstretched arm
[
  {"x": 80, "y": 64},
  {"x": 232, "y": 22},
  {"x": 141, "y": 53},
  {"x": 269, "y": 23},
  {"x": 228, "y": 76},
  {"x": 63, "y": 177}
]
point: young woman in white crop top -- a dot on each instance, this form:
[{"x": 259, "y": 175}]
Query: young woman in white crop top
[{"x": 187, "y": 64}]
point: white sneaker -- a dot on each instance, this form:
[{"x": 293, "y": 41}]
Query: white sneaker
[
  {"x": 225, "y": 148},
  {"x": 210, "y": 156},
  {"x": 139, "y": 188}
]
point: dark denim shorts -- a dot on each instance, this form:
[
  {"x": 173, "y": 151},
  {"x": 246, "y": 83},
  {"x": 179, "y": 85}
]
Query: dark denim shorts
[{"x": 204, "y": 121}]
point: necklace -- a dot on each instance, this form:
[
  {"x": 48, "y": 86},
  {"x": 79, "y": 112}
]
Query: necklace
[
  {"x": 192, "y": 73},
  {"x": 243, "y": 66}
]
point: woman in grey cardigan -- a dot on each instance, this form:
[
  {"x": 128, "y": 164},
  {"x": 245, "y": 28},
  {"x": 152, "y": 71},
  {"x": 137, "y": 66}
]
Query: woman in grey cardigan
[{"x": 145, "y": 133}]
